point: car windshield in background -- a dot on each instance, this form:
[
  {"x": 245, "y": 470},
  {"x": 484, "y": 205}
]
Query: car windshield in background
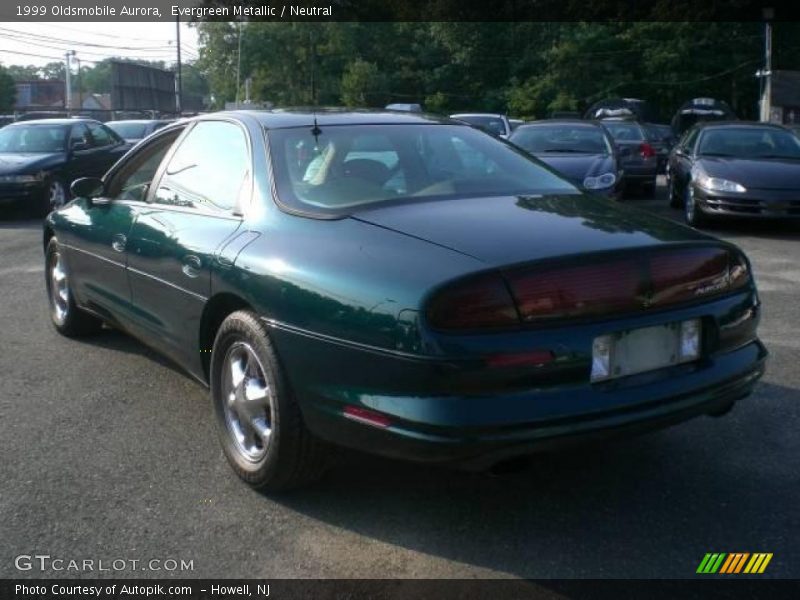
[
  {"x": 130, "y": 131},
  {"x": 623, "y": 132},
  {"x": 35, "y": 139},
  {"x": 346, "y": 166},
  {"x": 584, "y": 139},
  {"x": 493, "y": 125},
  {"x": 749, "y": 143}
]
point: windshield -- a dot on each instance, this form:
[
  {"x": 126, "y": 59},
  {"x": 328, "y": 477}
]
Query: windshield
[
  {"x": 33, "y": 138},
  {"x": 624, "y": 132},
  {"x": 491, "y": 124},
  {"x": 346, "y": 166},
  {"x": 749, "y": 143},
  {"x": 130, "y": 131},
  {"x": 584, "y": 139}
]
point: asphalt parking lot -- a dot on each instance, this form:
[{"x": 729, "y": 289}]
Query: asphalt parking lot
[{"x": 110, "y": 453}]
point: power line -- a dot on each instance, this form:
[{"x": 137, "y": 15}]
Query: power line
[
  {"x": 82, "y": 51},
  {"x": 52, "y": 39},
  {"x": 53, "y": 58}
]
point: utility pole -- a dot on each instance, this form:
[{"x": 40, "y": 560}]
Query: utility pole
[
  {"x": 68, "y": 99},
  {"x": 80, "y": 89},
  {"x": 239, "y": 65},
  {"x": 179, "y": 80},
  {"x": 766, "y": 96}
]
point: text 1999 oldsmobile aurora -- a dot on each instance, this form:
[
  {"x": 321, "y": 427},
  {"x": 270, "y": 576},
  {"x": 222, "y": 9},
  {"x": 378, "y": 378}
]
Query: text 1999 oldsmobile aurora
[{"x": 398, "y": 284}]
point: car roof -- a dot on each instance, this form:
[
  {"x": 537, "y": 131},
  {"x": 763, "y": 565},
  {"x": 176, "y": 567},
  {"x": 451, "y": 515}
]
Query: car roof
[
  {"x": 738, "y": 125},
  {"x": 477, "y": 114},
  {"x": 285, "y": 118},
  {"x": 53, "y": 122},
  {"x": 144, "y": 121},
  {"x": 587, "y": 122}
]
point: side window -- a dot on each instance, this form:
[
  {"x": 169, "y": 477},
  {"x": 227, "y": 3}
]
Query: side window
[
  {"x": 79, "y": 136},
  {"x": 133, "y": 182},
  {"x": 209, "y": 169},
  {"x": 101, "y": 135}
]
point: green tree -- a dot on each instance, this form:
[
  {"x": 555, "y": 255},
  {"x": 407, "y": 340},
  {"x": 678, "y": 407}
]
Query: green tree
[{"x": 363, "y": 84}]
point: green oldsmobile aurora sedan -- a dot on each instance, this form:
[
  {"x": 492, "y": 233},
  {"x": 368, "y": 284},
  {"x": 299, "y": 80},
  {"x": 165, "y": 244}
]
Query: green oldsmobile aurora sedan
[{"x": 400, "y": 284}]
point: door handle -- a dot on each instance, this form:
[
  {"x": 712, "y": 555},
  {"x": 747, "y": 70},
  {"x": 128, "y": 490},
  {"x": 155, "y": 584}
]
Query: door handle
[
  {"x": 118, "y": 242},
  {"x": 191, "y": 266}
]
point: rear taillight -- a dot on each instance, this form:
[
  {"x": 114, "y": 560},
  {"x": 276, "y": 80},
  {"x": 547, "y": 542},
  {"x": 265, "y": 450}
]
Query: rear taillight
[
  {"x": 646, "y": 150},
  {"x": 563, "y": 292},
  {"x": 596, "y": 288},
  {"x": 738, "y": 271},
  {"x": 682, "y": 275},
  {"x": 477, "y": 303}
]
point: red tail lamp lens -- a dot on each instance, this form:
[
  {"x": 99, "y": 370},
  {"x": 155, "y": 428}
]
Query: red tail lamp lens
[
  {"x": 683, "y": 275},
  {"x": 647, "y": 151},
  {"x": 738, "y": 271},
  {"x": 577, "y": 291},
  {"x": 478, "y": 303}
]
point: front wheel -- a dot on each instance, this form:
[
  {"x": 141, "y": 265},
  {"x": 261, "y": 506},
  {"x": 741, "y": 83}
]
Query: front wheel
[
  {"x": 259, "y": 422},
  {"x": 691, "y": 212},
  {"x": 67, "y": 318}
]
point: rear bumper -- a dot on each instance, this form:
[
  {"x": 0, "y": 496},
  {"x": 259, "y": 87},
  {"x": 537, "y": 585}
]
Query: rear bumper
[
  {"x": 766, "y": 204},
  {"x": 480, "y": 448},
  {"x": 462, "y": 410},
  {"x": 641, "y": 172}
]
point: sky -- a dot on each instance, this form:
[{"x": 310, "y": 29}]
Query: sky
[{"x": 41, "y": 43}]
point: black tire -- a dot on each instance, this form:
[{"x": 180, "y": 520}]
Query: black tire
[
  {"x": 291, "y": 456},
  {"x": 67, "y": 318}
]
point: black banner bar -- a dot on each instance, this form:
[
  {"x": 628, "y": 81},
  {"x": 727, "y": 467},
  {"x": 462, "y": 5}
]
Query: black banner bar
[
  {"x": 415, "y": 589},
  {"x": 397, "y": 10}
]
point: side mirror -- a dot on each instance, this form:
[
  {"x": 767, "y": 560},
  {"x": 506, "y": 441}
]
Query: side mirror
[{"x": 87, "y": 187}]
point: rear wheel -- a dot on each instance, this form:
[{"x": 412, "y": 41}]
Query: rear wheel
[
  {"x": 67, "y": 318},
  {"x": 259, "y": 423}
]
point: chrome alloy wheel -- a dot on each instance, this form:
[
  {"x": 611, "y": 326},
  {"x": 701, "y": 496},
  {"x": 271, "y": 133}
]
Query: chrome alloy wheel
[
  {"x": 247, "y": 402},
  {"x": 59, "y": 288},
  {"x": 56, "y": 194}
]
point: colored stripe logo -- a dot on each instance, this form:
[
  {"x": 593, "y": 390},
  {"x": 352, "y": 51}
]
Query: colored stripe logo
[{"x": 734, "y": 562}]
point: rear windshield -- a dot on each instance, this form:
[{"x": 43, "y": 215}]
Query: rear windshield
[
  {"x": 348, "y": 166},
  {"x": 749, "y": 143},
  {"x": 584, "y": 139},
  {"x": 623, "y": 132}
]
